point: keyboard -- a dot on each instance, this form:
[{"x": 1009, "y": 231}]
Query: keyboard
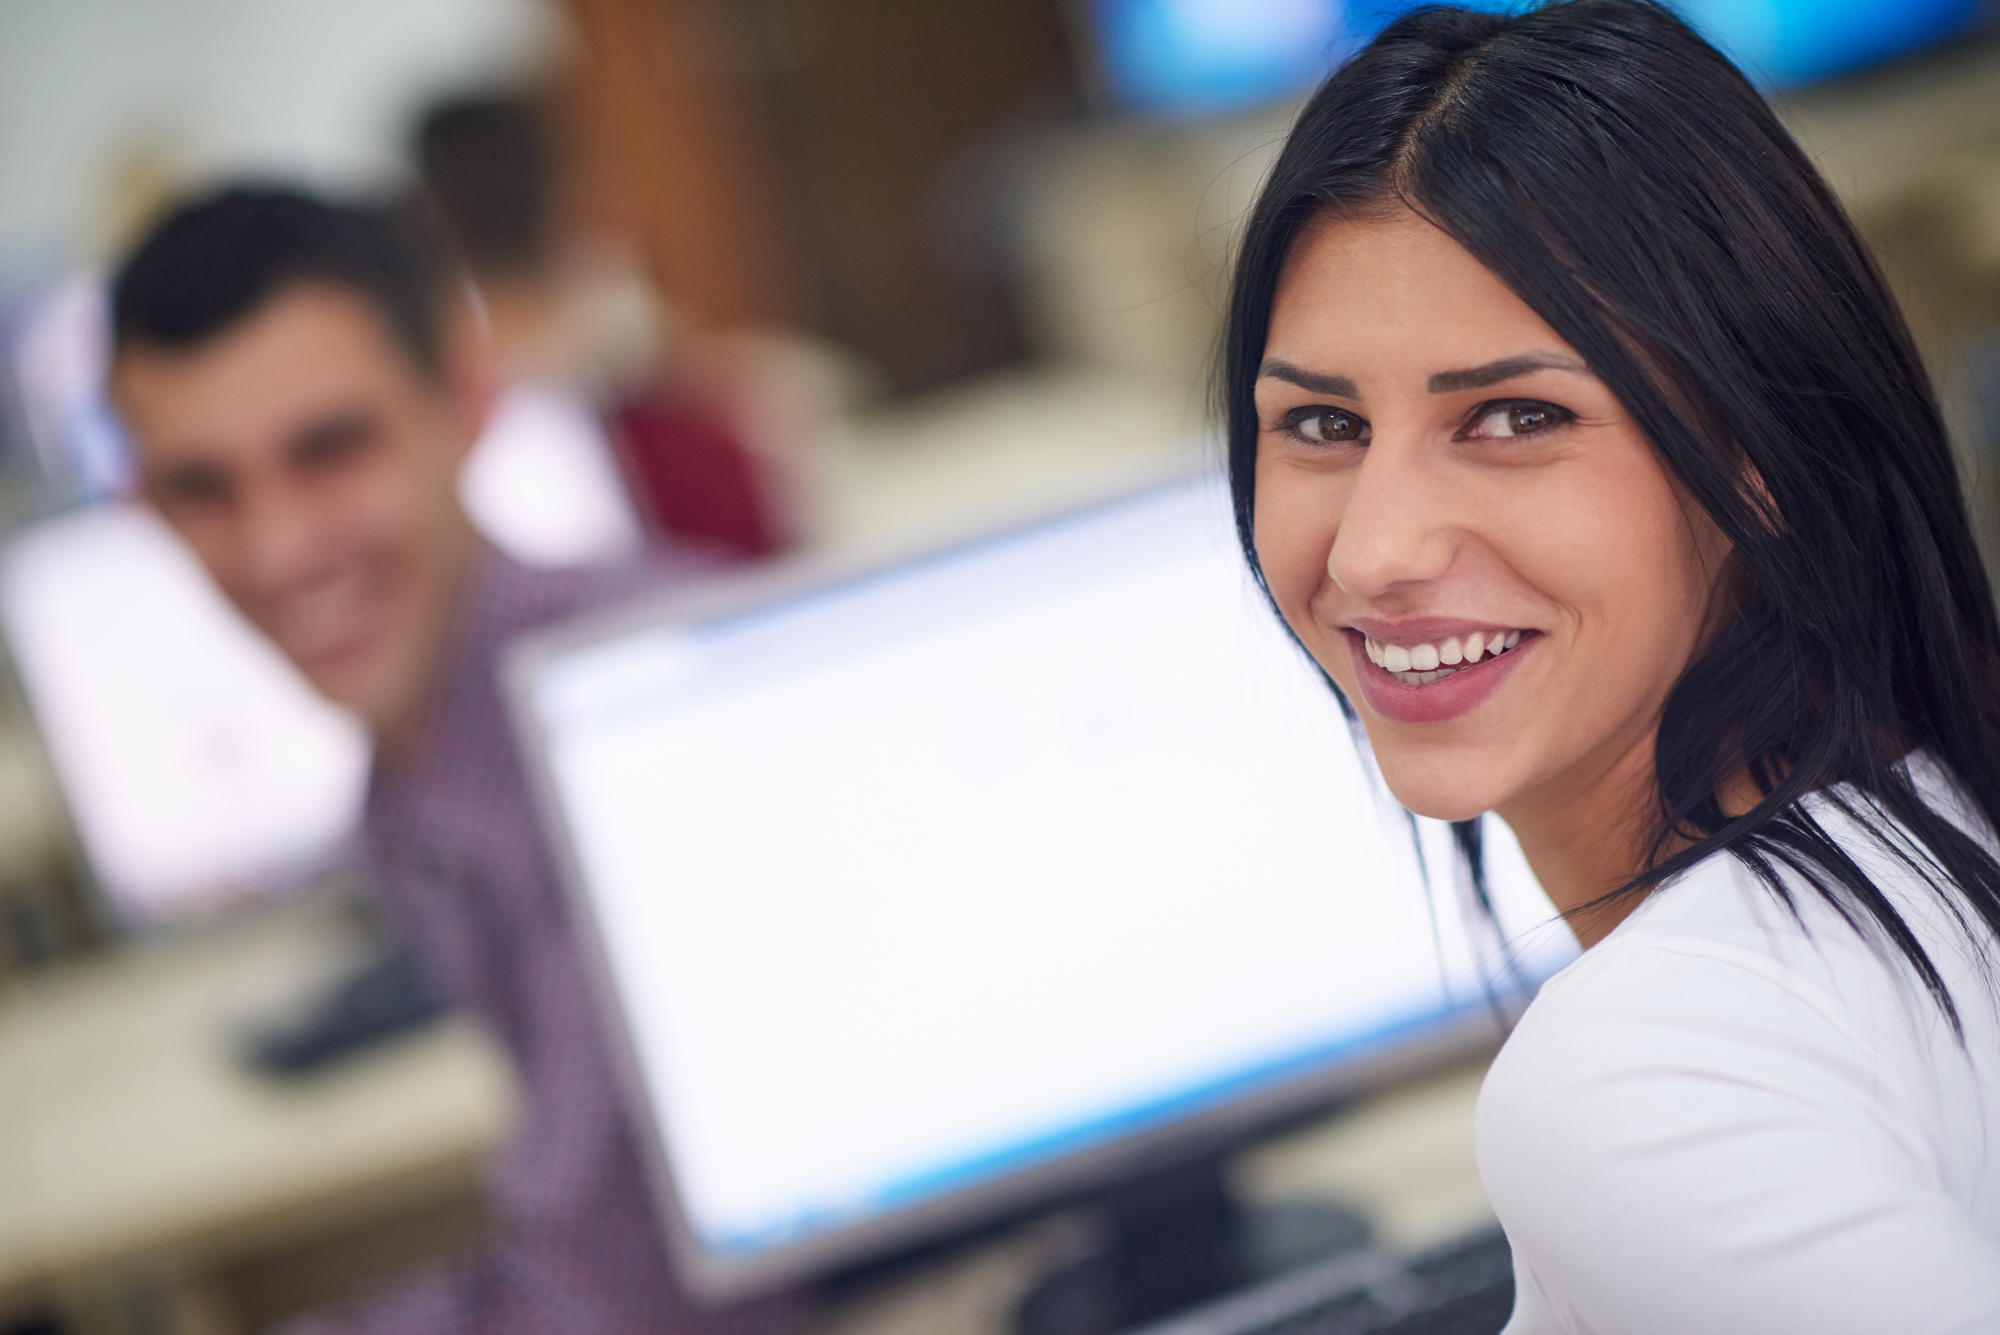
[{"x": 1465, "y": 1287}]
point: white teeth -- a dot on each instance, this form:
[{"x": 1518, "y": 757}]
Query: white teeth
[{"x": 1421, "y": 664}]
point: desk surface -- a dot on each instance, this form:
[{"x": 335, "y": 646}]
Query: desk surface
[{"x": 130, "y": 1134}]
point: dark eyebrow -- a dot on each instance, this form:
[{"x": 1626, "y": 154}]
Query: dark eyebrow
[
  {"x": 1479, "y": 377},
  {"x": 1337, "y": 385},
  {"x": 332, "y": 431}
]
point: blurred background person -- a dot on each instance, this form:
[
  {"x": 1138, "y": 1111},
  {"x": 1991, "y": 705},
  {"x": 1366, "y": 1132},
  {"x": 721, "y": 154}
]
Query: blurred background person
[
  {"x": 486, "y": 177},
  {"x": 584, "y": 342},
  {"x": 299, "y": 417}
]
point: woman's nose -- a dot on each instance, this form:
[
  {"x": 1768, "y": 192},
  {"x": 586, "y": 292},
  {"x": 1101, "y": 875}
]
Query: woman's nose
[{"x": 1398, "y": 526}]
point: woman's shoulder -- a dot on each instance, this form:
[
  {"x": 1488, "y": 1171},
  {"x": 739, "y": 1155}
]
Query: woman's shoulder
[
  {"x": 1721, "y": 976},
  {"x": 1678, "y": 1091},
  {"x": 1721, "y": 937},
  {"x": 1693, "y": 1130},
  {"x": 1714, "y": 977},
  {"x": 1714, "y": 940}
]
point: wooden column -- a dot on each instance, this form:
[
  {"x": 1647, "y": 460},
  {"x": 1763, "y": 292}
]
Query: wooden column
[{"x": 663, "y": 154}]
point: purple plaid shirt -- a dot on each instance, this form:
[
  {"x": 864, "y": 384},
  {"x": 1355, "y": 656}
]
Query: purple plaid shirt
[{"x": 463, "y": 871}]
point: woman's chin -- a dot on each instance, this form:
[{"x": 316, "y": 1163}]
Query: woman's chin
[{"x": 1441, "y": 791}]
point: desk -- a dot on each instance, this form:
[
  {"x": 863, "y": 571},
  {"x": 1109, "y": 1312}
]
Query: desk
[{"x": 139, "y": 1157}]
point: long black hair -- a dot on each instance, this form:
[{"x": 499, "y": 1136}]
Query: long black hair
[{"x": 1632, "y": 187}]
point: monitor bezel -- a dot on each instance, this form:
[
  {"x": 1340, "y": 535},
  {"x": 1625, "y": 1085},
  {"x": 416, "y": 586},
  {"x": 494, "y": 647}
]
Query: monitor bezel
[{"x": 1474, "y": 1031}]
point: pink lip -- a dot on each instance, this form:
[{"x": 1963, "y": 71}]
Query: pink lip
[{"x": 1445, "y": 698}]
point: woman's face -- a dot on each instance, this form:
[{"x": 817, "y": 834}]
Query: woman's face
[{"x": 1466, "y": 528}]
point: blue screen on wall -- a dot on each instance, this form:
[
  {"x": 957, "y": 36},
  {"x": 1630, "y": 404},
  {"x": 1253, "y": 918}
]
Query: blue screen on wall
[{"x": 1190, "y": 58}]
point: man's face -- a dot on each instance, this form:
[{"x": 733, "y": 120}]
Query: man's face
[{"x": 313, "y": 466}]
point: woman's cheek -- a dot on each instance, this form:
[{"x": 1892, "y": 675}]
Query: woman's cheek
[{"x": 1293, "y": 543}]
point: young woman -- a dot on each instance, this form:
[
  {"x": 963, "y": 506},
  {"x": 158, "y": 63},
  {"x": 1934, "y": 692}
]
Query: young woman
[{"x": 1574, "y": 433}]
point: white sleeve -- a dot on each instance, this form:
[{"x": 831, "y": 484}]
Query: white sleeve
[{"x": 1682, "y": 1142}]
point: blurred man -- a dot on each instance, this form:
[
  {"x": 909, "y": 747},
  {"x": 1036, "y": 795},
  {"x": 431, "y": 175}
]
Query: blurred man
[{"x": 300, "y": 421}]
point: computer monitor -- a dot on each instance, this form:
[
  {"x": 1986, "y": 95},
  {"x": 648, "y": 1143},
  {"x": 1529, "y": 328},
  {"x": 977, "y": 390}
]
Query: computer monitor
[
  {"x": 927, "y": 893},
  {"x": 197, "y": 766},
  {"x": 1183, "y": 58}
]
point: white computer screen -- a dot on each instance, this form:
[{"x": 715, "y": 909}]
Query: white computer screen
[
  {"x": 916, "y": 881},
  {"x": 197, "y": 765}
]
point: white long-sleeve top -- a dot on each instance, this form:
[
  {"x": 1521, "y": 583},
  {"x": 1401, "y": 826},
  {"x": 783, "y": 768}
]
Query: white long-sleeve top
[{"x": 1724, "y": 1119}]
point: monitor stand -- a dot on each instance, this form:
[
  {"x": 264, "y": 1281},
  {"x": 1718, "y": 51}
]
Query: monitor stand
[{"x": 1173, "y": 1240}]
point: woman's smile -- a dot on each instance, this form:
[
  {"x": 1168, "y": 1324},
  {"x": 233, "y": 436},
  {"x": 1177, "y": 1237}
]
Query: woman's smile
[{"x": 1434, "y": 679}]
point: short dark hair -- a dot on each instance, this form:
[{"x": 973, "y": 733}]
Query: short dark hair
[
  {"x": 1633, "y": 188},
  {"x": 488, "y": 168},
  {"x": 219, "y": 257}
]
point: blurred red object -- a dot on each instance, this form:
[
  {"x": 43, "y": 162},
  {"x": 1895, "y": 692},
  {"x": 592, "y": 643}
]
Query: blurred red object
[{"x": 694, "y": 476}]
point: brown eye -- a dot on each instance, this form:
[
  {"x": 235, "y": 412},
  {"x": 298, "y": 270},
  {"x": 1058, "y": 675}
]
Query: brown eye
[
  {"x": 1328, "y": 426},
  {"x": 1521, "y": 418}
]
